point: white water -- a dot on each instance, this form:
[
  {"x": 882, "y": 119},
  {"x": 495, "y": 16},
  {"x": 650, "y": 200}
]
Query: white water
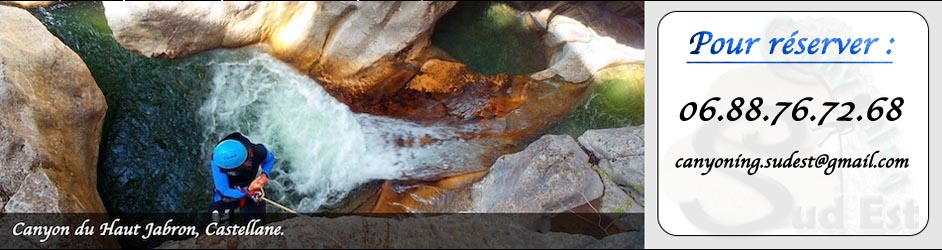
[{"x": 327, "y": 149}]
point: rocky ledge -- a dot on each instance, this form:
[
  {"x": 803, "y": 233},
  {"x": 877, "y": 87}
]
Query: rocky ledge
[{"x": 554, "y": 175}]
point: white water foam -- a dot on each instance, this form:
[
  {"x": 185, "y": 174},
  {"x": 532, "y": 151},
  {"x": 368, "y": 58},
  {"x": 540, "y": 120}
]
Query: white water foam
[{"x": 324, "y": 150}]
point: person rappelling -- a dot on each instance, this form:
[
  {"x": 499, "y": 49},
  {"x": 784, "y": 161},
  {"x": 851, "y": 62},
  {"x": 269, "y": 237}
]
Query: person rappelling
[{"x": 238, "y": 185}]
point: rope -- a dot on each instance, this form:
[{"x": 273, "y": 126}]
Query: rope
[{"x": 262, "y": 192}]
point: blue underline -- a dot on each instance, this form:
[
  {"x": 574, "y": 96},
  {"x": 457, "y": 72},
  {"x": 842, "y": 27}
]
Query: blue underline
[{"x": 789, "y": 62}]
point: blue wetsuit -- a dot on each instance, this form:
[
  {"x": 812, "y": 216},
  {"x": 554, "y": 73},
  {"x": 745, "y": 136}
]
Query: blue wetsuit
[
  {"x": 221, "y": 180},
  {"x": 229, "y": 183}
]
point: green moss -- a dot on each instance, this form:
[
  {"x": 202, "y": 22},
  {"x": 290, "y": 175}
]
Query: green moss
[
  {"x": 501, "y": 15},
  {"x": 605, "y": 174}
]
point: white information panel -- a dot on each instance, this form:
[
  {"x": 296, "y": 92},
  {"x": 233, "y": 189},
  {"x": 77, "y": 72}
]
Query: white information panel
[{"x": 793, "y": 123}]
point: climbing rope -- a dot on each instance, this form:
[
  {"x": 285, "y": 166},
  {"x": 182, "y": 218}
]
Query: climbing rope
[{"x": 261, "y": 195}]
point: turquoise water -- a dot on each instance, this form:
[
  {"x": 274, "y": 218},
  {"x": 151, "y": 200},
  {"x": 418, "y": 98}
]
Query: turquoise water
[
  {"x": 150, "y": 154},
  {"x": 490, "y": 38},
  {"x": 165, "y": 115}
]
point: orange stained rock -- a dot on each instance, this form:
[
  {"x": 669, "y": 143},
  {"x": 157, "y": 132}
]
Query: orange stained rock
[{"x": 413, "y": 197}]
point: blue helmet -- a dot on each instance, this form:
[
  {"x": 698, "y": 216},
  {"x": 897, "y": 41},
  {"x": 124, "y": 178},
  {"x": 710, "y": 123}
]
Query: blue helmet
[{"x": 229, "y": 154}]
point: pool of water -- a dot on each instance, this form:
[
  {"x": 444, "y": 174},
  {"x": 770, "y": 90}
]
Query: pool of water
[
  {"x": 490, "y": 38},
  {"x": 165, "y": 115}
]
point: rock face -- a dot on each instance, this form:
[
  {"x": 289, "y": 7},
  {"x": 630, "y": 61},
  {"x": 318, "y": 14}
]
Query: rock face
[
  {"x": 585, "y": 37},
  {"x": 620, "y": 154},
  {"x": 51, "y": 114},
  {"x": 29, "y": 4},
  {"x": 448, "y": 231},
  {"x": 551, "y": 175},
  {"x": 356, "y": 47},
  {"x": 374, "y": 56},
  {"x": 620, "y": 20}
]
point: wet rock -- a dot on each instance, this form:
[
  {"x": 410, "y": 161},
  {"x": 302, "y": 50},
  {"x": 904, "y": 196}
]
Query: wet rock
[
  {"x": 550, "y": 175},
  {"x": 493, "y": 114},
  {"x": 374, "y": 56},
  {"x": 448, "y": 195}
]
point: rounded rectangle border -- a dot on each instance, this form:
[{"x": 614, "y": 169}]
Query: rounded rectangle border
[{"x": 657, "y": 116}]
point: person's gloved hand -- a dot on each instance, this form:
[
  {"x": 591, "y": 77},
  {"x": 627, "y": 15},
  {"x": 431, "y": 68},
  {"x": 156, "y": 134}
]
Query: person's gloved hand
[
  {"x": 254, "y": 195},
  {"x": 259, "y": 183},
  {"x": 246, "y": 191}
]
